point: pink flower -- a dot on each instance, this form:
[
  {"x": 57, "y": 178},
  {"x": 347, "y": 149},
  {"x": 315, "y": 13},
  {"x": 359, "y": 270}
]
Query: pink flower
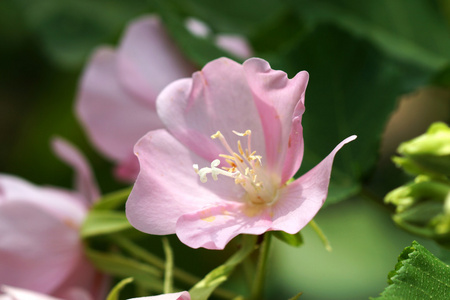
[
  {"x": 173, "y": 296},
  {"x": 233, "y": 43},
  {"x": 11, "y": 293},
  {"x": 208, "y": 191},
  {"x": 117, "y": 95},
  {"x": 40, "y": 246}
]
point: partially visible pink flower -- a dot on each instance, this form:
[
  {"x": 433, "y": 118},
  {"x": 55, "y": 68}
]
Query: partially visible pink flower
[
  {"x": 40, "y": 246},
  {"x": 118, "y": 90},
  {"x": 232, "y": 43},
  {"x": 235, "y": 44},
  {"x": 208, "y": 191},
  {"x": 173, "y": 296},
  {"x": 116, "y": 100},
  {"x": 197, "y": 27},
  {"x": 11, "y": 293}
]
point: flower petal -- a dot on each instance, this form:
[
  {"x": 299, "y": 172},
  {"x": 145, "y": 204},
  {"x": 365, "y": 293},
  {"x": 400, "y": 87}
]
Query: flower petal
[
  {"x": 197, "y": 27},
  {"x": 173, "y": 296},
  {"x": 235, "y": 44},
  {"x": 22, "y": 294},
  {"x": 113, "y": 118},
  {"x": 127, "y": 169},
  {"x": 84, "y": 283},
  {"x": 299, "y": 201},
  {"x": 295, "y": 148},
  {"x": 149, "y": 59},
  {"x": 215, "y": 226},
  {"x": 77, "y": 294},
  {"x": 37, "y": 251},
  {"x": 167, "y": 185},
  {"x": 84, "y": 179},
  {"x": 68, "y": 207},
  {"x": 279, "y": 101},
  {"x": 216, "y": 99}
]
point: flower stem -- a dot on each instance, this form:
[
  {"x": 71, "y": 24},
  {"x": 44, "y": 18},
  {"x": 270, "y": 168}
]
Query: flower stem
[
  {"x": 321, "y": 235},
  {"x": 168, "y": 275},
  {"x": 154, "y": 260},
  {"x": 261, "y": 268}
]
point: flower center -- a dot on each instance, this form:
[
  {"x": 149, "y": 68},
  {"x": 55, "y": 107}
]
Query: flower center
[{"x": 245, "y": 167}]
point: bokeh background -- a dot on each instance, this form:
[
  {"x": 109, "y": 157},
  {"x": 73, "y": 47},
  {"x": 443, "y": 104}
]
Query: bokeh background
[{"x": 379, "y": 69}]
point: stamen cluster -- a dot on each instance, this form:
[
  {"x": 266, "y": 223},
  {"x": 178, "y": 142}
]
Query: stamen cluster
[{"x": 245, "y": 167}]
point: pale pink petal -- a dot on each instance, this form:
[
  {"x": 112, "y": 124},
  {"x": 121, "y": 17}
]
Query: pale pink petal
[
  {"x": 85, "y": 282},
  {"x": 295, "y": 147},
  {"x": 173, "y": 296},
  {"x": 197, "y": 27},
  {"x": 167, "y": 186},
  {"x": 68, "y": 207},
  {"x": 85, "y": 182},
  {"x": 299, "y": 201},
  {"x": 234, "y": 44},
  {"x": 13, "y": 293},
  {"x": 213, "y": 227},
  {"x": 216, "y": 99},
  {"x": 127, "y": 169},
  {"x": 77, "y": 294},
  {"x": 149, "y": 59},
  {"x": 114, "y": 119},
  {"x": 37, "y": 251},
  {"x": 279, "y": 101}
]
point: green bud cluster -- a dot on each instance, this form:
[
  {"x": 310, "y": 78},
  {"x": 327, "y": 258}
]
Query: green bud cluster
[{"x": 423, "y": 206}]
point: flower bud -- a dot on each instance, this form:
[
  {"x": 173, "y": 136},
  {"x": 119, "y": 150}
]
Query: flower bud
[
  {"x": 428, "y": 153},
  {"x": 423, "y": 206}
]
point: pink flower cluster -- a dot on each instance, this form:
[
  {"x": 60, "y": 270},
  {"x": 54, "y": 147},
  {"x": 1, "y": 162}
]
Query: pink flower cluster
[
  {"x": 238, "y": 125},
  {"x": 253, "y": 114},
  {"x": 214, "y": 158}
]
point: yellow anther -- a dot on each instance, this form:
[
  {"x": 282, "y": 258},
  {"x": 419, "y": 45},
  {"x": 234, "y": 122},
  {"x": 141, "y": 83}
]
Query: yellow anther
[
  {"x": 245, "y": 167},
  {"x": 226, "y": 156},
  {"x": 247, "y": 132},
  {"x": 216, "y": 135},
  {"x": 241, "y": 151},
  {"x": 236, "y": 156}
]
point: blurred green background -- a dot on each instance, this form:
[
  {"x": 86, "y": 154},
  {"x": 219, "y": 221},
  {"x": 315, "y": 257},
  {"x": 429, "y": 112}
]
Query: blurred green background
[{"x": 379, "y": 69}]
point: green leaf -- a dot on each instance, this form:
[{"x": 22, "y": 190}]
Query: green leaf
[
  {"x": 104, "y": 222},
  {"x": 442, "y": 78},
  {"x": 69, "y": 30},
  {"x": 347, "y": 84},
  {"x": 199, "y": 50},
  {"x": 403, "y": 29},
  {"x": 233, "y": 16},
  {"x": 203, "y": 289},
  {"x": 121, "y": 266},
  {"x": 114, "y": 294},
  {"x": 418, "y": 275},
  {"x": 112, "y": 200},
  {"x": 295, "y": 240}
]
